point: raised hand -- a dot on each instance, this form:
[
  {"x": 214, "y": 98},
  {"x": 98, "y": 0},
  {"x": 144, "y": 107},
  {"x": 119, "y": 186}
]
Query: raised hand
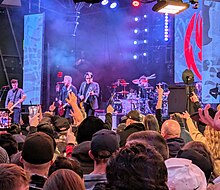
[
  {"x": 194, "y": 98},
  {"x": 34, "y": 121},
  {"x": 185, "y": 115},
  {"x": 208, "y": 120},
  {"x": 159, "y": 90},
  {"x": 110, "y": 109},
  {"x": 52, "y": 107},
  {"x": 70, "y": 137},
  {"x": 205, "y": 118},
  {"x": 72, "y": 99},
  {"x": 217, "y": 121}
]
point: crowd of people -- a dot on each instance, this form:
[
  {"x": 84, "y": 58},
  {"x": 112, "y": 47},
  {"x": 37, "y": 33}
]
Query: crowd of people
[{"x": 83, "y": 152}]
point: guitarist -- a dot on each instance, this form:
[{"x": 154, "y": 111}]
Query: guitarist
[
  {"x": 89, "y": 93},
  {"x": 64, "y": 108},
  {"x": 13, "y": 101}
]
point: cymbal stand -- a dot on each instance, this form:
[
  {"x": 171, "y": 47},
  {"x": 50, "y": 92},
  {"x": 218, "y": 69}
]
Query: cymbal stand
[
  {"x": 112, "y": 97},
  {"x": 2, "y": 93}
]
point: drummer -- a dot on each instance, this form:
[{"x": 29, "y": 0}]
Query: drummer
[{"x": 145, "y": 87}]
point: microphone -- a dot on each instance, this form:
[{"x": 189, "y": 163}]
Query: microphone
[
  {"x": 60, "y": 82},
  {"x": 7, "y": 86}
]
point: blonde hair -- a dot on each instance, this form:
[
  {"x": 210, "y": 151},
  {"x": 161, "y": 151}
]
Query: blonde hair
[{"x": 213, "y": 138}]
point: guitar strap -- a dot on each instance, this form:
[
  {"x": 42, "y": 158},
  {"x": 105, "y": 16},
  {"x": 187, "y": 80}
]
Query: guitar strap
[
  {"x": 15, "y": 96},
  {"x": 86, "y": 89}
]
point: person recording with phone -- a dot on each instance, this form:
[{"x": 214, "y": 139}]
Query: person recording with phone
[
  {"x": 14, "y": 99},
  {"x": 89, "y": 93},
  {"x": 64, "y": 107}
]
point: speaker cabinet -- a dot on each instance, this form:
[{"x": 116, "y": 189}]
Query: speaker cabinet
[{"x": 177, "y": 99}]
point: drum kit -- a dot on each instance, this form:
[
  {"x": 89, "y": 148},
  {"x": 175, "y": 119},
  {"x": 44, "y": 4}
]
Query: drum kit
[{"x": 143, "y": 99}]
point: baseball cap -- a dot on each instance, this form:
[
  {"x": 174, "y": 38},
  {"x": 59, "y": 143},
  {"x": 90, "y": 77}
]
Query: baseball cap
[
  {"x": 195, "y": 116},
  {"x": 183, "y": 174},
  {"x": 104, "y": 140},
  {"x": 201, "y": 160},
  {"x": 38, "y": 148},
  {"x": 134, "y": 115},
  {"x": 60, "y": 123}
]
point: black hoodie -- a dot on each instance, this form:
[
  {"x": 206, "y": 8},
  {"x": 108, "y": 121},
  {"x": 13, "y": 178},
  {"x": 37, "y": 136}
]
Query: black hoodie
[
  {"x": 132, "y": 128},
  {"x": 174, "y": 144}
]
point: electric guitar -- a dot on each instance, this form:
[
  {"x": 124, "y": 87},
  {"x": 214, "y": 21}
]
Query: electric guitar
[
  {"x": 11, "y": 106},
  {"x": 61, "y": 109},
  {"x": 87, "y": 96}
]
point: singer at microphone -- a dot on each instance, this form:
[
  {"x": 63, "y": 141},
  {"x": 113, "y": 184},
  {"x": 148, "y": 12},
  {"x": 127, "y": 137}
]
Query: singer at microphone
[{"x": 64, "y": 108}]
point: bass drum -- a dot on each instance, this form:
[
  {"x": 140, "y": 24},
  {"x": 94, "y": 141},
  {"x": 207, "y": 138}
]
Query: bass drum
[
  {"x": 117, "y": 105},
  {"x": 126, "y": 106}
]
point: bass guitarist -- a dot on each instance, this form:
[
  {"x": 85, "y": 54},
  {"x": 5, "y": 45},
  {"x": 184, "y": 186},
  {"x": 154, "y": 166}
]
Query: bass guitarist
[
  {"x": 13, "y": 101},
  {"x": 89, "y": 93},
  {"x": 64, "y": 107}
]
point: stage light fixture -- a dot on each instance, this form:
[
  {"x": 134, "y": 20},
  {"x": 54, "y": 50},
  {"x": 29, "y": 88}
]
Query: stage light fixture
[
  {"x": 136, "y": 3},
  {"x": 136, "y": 31},
  {"x": 104, "y": 2},
  {"x": 113, "y": 5},
  {"x": 170, "y": 6},
  {"x": 87, "y": 1},
  {"x": 136, "y": 19},
  {"x": 135, "y": 57}
]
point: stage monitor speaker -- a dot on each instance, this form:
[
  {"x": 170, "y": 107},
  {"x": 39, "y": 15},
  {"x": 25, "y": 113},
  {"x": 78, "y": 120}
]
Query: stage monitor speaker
[
  {"x": 177, "y": 99},
  {"x": 116, "y": 118},
  {"x": 16, "y": 3}
]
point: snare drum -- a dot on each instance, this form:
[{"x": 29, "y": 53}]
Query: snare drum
[{"x": 132, "y": 96}]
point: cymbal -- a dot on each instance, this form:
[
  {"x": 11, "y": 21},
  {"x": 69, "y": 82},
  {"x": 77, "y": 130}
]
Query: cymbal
[
  {"x": 121, "y": 82},
  {"x": 136, "y": 81},
  {"x": 149, "y": 87},
  {"x": 140, "y": 81},
  {"x": 122, "y": 92},
  {"x": 115, "y": 83},
  {"x": 124, "y": 84},
  {"x": 143, "y": 79},
  {"x": 161, "y": 83}
]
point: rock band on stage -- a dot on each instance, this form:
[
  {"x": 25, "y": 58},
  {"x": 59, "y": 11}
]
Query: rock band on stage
[{"x": 143, "y": 98}]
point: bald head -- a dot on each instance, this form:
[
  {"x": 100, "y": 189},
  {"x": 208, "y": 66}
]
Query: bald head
[{"x": 170, "y": 129}]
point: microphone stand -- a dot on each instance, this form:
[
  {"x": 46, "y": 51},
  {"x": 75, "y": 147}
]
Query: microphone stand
[{"x": 2, "y": 94}]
